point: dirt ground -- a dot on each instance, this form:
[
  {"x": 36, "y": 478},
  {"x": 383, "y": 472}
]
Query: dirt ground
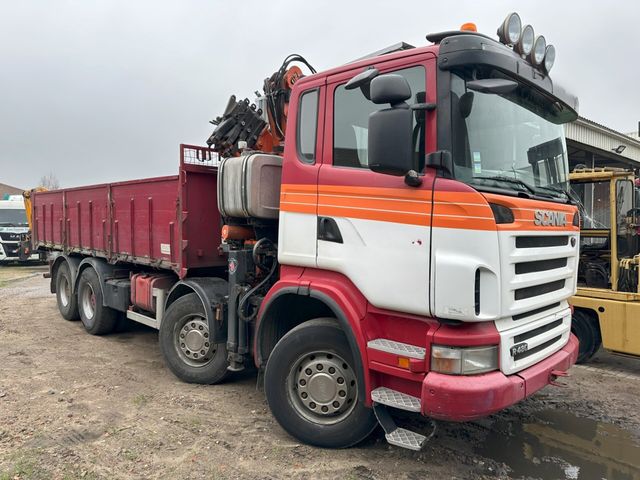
[{"x": 77, "y": 406}]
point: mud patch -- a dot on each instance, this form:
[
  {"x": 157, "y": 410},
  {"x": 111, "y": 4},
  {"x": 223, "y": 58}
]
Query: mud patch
[{"x": 561, "y": 445}]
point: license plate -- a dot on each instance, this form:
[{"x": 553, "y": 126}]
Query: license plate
[{"x": 519, "y": 349}]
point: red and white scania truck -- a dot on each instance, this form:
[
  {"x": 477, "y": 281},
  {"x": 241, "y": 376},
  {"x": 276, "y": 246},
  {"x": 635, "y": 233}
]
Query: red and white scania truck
[{"x": 410, "y": 245}]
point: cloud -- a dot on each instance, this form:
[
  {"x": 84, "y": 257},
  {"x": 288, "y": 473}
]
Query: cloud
[{"x": 106, "y": 90}]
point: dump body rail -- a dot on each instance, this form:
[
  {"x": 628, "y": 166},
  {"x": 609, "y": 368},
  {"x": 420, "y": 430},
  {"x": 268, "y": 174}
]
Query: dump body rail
[{"x": 168, "y": 222}]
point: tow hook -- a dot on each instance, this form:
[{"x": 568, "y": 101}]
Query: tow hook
[{"x": 553, "y": 376}]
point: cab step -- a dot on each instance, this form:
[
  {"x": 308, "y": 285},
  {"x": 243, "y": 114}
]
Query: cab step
[
  {"x": 400, "y": 437},
  {"x": 397, "y": 348},
  {"x": 395, "y": 399}
]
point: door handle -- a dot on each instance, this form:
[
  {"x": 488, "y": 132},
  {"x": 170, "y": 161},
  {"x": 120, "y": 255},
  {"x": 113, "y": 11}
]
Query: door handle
[{"x": 328, "y": 230}]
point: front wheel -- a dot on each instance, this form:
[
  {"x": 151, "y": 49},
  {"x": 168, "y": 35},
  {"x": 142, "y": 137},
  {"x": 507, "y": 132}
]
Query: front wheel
[
  {"x": 312, "y": 387},
  {"x": 586, "y": 328},
  {"x": 186, "y": 345}
]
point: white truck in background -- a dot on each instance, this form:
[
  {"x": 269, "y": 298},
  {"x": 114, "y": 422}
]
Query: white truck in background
[{"x": 14, "y": 231}]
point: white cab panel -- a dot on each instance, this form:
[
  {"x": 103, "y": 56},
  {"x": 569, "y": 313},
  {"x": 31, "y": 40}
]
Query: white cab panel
[
  {"x": 387, "y": 262},
  {"x": 297, "y": 239},
  {"x": 457, "y": 255}
]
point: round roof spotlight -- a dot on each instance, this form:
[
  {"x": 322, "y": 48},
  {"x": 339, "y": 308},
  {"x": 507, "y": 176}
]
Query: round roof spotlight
[
  {"x": 549, "y": 58},
  {"x": 525, "y": 44},
  {"x": 509, "y": 31},
  {"x": 539, "y": 50}
]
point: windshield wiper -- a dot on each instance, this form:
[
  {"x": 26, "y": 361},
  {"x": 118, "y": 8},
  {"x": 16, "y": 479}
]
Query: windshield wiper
[
  {"x": 561, "y": 190},
  {"x": 515, "y": 181}
]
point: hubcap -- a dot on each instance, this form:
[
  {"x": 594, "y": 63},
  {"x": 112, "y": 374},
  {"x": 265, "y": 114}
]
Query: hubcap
[
  {"x": 89, "y": 302},
  {"x": 65, "y": 294},
  {"x": 193, "y": 341},
  {"x": 322, "y": 387}
]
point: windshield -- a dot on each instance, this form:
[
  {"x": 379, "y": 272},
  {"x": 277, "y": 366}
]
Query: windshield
[
  {"x": 13, "y": 217},
  {"x": 503, "y": 141}
]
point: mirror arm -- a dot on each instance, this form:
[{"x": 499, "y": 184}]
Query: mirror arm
[{"x": 429, "y": 107}]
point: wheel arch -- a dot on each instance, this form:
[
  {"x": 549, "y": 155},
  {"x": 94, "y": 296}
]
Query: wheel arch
[
  {"x": 104, "y": 270},
  {"x": 298, "y": 307},
  {"x": 57, "y": 262},
  {"x": 211, "y": 291}
]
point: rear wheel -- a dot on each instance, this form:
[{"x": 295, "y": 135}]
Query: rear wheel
[
  {"x": 586, "y": 328},
  {"x": 312, "y": 387},
  {"x": 96, "y": 318},
  {"x": 186, "y": 345},
  {"x": 65, "y": 297}
]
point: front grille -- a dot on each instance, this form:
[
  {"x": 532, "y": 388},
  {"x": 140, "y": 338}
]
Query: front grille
[
  {"x": 10, "y": 236},
  {"x": 11, "y": 249},
  {"x": 540, "y": 265},
  {"x": 542, "y": 241},
  {"x": 537, "y": 348},
  {"x": 536, "y": 290},
  {"x": 531, "y": 313},
  {"x": 537, "y": 331}
]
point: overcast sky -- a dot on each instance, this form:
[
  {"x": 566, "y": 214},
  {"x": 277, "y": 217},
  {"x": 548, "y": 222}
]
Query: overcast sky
[{"x": 104, "y": 90}]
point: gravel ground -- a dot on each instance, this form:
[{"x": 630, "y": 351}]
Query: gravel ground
[{"x": 77, "y": 406}]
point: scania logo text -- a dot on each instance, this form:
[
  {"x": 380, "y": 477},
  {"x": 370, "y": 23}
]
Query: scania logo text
[{"x": 547, "y": 218}]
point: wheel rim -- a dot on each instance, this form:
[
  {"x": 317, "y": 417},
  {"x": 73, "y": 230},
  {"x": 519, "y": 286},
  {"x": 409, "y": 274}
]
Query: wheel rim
[
  {"x": 193, "y": 342},
  {"x": 65, "y": 291},
  {"x": 322, "y": 387},
  {"x": 88, "y": 302}
]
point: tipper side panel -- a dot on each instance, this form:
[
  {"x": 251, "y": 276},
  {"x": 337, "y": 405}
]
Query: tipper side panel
[
  {"x": 201, "y": 221},
  {"x": 165, "y": 222}
]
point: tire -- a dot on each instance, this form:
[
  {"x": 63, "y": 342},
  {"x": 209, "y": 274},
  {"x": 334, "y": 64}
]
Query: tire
[
  {"x": 586, "y": 328},
  {"x": 65, "y": 297},
  {"x": 184, "y": 329},
  {"x": 96, "y": 318},
  {"x": 317, "y": 352}
]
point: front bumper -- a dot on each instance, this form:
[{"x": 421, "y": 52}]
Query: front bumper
[{"x": 462, "y": 398}]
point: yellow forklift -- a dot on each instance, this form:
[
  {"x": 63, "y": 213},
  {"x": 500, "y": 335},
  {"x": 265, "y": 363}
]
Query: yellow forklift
[{"x": 607, "y": 302}]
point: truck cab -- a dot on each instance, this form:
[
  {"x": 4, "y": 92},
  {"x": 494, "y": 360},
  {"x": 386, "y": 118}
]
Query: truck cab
[
  {"x": 14, "y": 230},
  {"x": 434, "y": 213}
]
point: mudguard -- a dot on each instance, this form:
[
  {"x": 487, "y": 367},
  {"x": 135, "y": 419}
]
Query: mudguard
[{"x": 212, "y": 292}]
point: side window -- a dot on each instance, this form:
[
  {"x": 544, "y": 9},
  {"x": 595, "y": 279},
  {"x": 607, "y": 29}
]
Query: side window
[
  {"x": 307, "y": 126},
  {"x": 351, "y": 112}
]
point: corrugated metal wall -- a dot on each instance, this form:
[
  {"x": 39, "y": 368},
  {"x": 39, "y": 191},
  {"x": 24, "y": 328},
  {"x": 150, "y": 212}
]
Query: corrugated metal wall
[{"x": 598, "y": 136}]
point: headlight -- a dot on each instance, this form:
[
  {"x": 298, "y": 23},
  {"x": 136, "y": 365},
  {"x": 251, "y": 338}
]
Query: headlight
[{"x": 464, "y": 361}]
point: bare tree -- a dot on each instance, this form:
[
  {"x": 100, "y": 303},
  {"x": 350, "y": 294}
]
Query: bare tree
[{"x": 49, "y": 181}]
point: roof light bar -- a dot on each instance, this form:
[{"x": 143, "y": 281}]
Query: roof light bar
[{"x": 526, "y": 43}]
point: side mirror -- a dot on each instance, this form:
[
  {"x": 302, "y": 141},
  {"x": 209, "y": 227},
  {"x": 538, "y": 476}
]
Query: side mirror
[
  {"x": 492, "y": 85},
  {"x": 390, "y": 138},
  {"x": 363, "y": 81}
]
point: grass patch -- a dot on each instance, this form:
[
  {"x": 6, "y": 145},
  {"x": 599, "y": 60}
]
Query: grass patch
[
  {"x": 25, "y": 466},
  {"x": 140, "y": 400}
]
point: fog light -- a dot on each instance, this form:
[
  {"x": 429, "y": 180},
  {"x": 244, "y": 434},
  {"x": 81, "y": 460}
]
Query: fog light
[
  {"x": 464, "y": 361},
  {"x": 525, "y": 44},
  {"x": 509, "y": 31},
  {"x": 539, "y": 50},
  {"x": 549, "y": 58}
]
